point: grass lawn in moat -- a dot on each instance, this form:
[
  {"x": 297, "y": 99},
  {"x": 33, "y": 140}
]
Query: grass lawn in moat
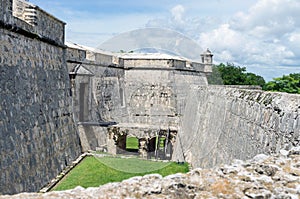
[{"x": 94, "y": 171}]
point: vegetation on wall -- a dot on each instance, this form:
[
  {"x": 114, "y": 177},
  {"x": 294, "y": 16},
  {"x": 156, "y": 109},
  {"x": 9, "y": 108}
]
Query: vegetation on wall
[{"x": 231, "y": 74}]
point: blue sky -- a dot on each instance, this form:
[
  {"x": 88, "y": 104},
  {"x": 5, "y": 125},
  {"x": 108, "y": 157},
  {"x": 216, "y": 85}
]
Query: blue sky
[{"x": 262, "y": 35}]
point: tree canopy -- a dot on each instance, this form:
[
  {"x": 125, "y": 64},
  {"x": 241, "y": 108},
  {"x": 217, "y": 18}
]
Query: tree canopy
[
  {"x": 230, "y": 74},
  {"x": 287, "y": 83}
]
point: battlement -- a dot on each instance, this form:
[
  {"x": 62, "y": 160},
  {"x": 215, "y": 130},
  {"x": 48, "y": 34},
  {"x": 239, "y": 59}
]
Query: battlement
[
  {"x": 25, "y": 11},
  {"x": 26, "y": 18},
  {"x": 140, "y": 61},
  {"x": 5, "y": 9},
  {"x": 83, "y": 54},
  {"x": 159, "y": 61}
]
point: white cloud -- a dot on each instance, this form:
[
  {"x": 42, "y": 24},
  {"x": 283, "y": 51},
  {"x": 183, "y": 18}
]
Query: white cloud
[
  {"x": 265, "y": 38},
  {"x": 177, "y": 13},
  {"x": 269, "y": 18},
  {"x": 293, "y": 41},
  {"x": 295, "y": 38},
  {"x": 267, "y": 35},
  {"x": 222, "y": 38}
]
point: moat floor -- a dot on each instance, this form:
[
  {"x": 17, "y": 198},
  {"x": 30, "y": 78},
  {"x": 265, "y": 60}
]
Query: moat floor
[{"x": 263, "y": 176}]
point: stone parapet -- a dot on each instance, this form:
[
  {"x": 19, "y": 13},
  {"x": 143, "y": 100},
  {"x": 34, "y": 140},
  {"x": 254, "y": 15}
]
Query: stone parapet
[
  {"x": 91, "y": 56},
  {"x": 153, "y": 61},
  {"x": 32, "y": 21}
]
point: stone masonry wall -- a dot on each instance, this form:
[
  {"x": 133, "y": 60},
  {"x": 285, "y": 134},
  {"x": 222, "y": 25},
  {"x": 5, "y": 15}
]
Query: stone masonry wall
[
  {"x": 38, "y": 135},
  {"x": 157, "y": 97},
  {"x": 97, "y": 90},
  {"x": 221, "y": 124}
]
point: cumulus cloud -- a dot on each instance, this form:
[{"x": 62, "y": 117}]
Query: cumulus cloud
[
  {"x": 269, "y": 17},
  {"x": 177, "y": 13},
  {"x": 267, "y": 35},
  {"x": 265, "y": 38}
]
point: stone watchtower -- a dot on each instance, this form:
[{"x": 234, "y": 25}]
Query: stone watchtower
[{"x": 206, "y": 57}]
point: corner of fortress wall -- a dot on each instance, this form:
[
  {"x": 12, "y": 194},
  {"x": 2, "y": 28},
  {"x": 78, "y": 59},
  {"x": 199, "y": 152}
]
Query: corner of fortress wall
[
  {"x": 222, "y": 123},
  {"x": 38, "y": 135}
]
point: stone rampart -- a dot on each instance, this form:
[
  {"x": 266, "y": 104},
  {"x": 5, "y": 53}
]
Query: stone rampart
[
  {"x": 38, "y": 135},
  {"x": 41, "y": 23},
  {"x": 222, "y": 123},
  {"x": 97, "y": 92}
]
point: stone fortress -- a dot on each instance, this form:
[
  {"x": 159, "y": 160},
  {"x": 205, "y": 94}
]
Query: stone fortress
[{"x": 58, "y": 100}]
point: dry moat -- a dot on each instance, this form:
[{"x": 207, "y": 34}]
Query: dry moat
[{"x": 59, "y": 100}]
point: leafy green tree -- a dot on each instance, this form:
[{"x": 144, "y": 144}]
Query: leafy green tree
[
  {"x": 253, "y": 79},
  {"x": 230, "y": 74},
  {"x": 287, "y": 83}
]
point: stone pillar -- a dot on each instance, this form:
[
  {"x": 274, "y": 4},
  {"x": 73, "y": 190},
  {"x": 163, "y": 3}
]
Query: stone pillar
[
  {"x": 85, "y": 146},
  {"x": 172, "y": 141},
  {"x": 143, "y": 145},
  {"x": 111, "y": 143}
]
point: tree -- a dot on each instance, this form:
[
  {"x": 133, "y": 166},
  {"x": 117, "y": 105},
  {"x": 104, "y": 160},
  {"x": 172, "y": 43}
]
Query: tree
[
  {"x": 287, "y": 83},
  {"x": 233, "y": 75},
  {"x": 253, "y": 79}
]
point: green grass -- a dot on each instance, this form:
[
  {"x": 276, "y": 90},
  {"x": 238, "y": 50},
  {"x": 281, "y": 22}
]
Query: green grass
[
  {"x": 92, "y": 172},
  {"x": 132, "y": 165},
  {"x": 132, "y": 143},
  {"x": 161, "y": 143}
]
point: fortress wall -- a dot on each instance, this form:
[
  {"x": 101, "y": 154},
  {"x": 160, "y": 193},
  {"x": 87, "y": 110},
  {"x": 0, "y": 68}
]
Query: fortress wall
[
  {"x": 102, "y": 93},
  {"x": 107, "y": 87},
  {"x": 5, "y": 9},
  {"x": 96, "y": 92},
  {"x": 184, "y": 82},
  {"x": 38, "y": 135},
  {"x": 157, "y": 96},
  {"x": 37, "y": 21},
  {"x": 221, "y": 124},
  {"x": 150, "y": 96}
]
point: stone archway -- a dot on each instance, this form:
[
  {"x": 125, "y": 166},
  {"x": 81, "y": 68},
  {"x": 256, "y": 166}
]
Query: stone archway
[{"x": 158, "y": 145}]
